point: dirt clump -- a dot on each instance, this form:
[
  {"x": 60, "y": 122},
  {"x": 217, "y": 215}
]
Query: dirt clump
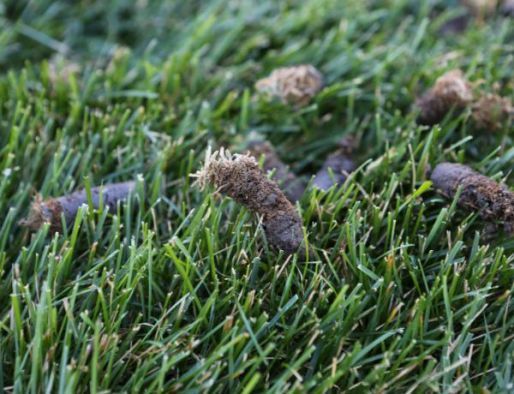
[
  {"x": 292, "y": 186},
  {"x": 492, "y": 200},
  {"x": 51, "y": 210},
  {"x": 451, "y": 91},
  {"x": 295, "y": 85},
  {"x": 456, "y": 25},
  {"x": 491, "y": 112},
  {"x": 337, "y": 166},
  {"x": 507, "y": 8},
  {"x": 239, "y": 177}
]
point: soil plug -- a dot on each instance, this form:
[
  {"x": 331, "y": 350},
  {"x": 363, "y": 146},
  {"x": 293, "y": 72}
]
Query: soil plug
[
  {"x": 477, "y": 10},
  {"x": 337, "y": 166},
  {"x": 295, "y": 85},
  {"x": 292, "y": 186},
  {"x": 492, "y": 200},
  {"x": 451, "y": 91},
  {"x": 507, "y": 8},
  {"x": 239, "y": 177},
  {"x": 50, "y": 211},
  {"x": 456, "y": 25},
  {"x": 491, "y": 112}
]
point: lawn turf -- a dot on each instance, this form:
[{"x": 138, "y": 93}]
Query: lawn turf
[{"x": 177, "y": 291}]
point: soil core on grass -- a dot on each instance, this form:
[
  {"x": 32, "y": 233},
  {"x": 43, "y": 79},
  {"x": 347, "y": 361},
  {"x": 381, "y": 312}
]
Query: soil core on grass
[
  {"x": 239, "y": 177},
  {"x": 507, "y": 8},
  {"x": 295, "y": 85},
  {"x": 292, "y": 186},
  {"x": 490, "y": 112},
  {"x": 337, "y": 166},
  {"x": 492, "y": 200},
  {"x": 450, "y": 91},
  {"x": 51, "y": 210}
]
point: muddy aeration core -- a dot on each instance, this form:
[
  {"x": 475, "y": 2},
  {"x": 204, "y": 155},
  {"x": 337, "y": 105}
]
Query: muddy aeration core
[
  {"x": 292, "y": 186},
  {"x": 51, "y": 210},
  {"x": 492, "y": 200},
  {"x": 240, "y": 178},
  {"x": 450, "y": 91}
]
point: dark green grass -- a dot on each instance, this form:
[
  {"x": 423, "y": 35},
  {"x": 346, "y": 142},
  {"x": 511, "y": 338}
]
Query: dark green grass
[{"x": 178, "y": 291}]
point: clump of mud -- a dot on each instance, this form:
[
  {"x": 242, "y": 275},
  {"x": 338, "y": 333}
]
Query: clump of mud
[
  {"x": 337, "y": 166},
  {"x": 51, "y": 210},
  {"x": 295, "y": 85},
  {"x": 491, "y": 112},
  {"x": 239, "y": 177},
  {"x": 292, "y": 186},
  {"x": 451, "y": 91},
  {"x": 493, "y": 201},
  {"x": 507, "y": 7},
  {"x": 456, "y": 25}
]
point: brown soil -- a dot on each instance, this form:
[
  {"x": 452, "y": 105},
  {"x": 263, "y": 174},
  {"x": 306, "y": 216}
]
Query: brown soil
[
  {"x": 51, "y": 210},
  {"x": 456, "y": 25},
  {"x": 493, "y": 201},
  {"x": 338, "y": 165},
  {"x": 240, "y": 178},
  {"x": 292, "y": 186},
  {"x": 334, "y": 171},
  {"x": 507, "y": 7},
  {"x": 450, "y": 91},
  {"x": 491, "y": 112},
  {"x": 295, "y": 85}
]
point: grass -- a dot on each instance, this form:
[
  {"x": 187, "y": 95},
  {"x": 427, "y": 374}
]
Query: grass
[{"x": 178, "y": 291}]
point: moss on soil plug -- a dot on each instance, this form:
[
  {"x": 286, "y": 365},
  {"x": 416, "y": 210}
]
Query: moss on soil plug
[
  {"x": 295, "y": 85},
  {"x": 450, "y": 91},
  {"x": 492, "y": 200},
  {"x": 239, "y": 177},
  {"x": 292, "y": 186},
  {"x": 50, "y": 211}
]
